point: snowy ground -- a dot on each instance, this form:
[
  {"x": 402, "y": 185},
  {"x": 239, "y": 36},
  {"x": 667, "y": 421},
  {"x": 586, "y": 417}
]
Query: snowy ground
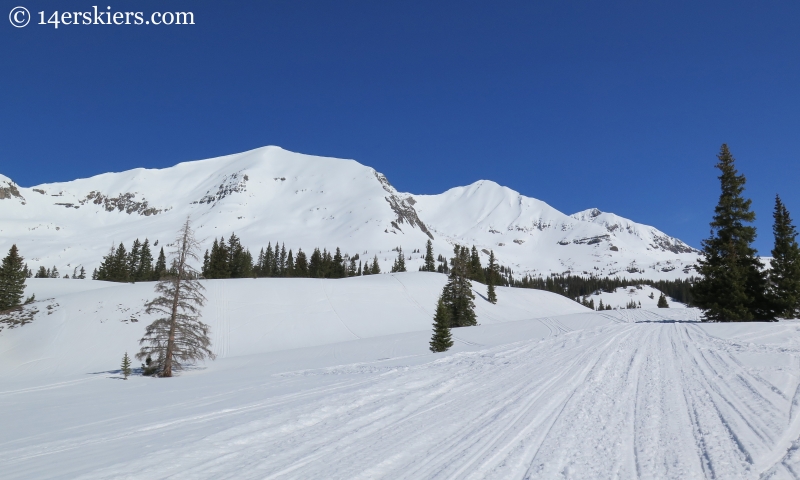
[
  {"x": 619, "y": 394},
  {"x": 644, "y": 295}
]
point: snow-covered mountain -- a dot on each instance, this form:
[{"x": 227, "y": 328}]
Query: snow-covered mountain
[{"x": 272, "y": 195}]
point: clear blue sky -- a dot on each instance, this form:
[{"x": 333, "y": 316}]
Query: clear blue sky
[{"x": 616, "y": 105}]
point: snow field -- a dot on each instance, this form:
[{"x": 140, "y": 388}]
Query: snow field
[
  {"x": 88, "y": 331},
  {"x": 570, "y": 394}
]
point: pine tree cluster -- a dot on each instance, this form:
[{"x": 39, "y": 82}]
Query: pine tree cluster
[
  {"x": 734, "y": 285},
  {"x": 136, "y": 265},
  {"x": 231, "y": 260}
]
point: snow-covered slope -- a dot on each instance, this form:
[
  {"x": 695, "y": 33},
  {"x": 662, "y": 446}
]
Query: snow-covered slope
[
  {"x": 590, "y": 395},
  {"x": 246, "y": 316},
  {"x": 272, "y": 195}
]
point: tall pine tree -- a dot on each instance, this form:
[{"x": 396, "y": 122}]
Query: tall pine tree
[
  {"x": 160, "y": 269},
  {"x": 429, "y": 265},
  {"x": 12, "y": 279},
  {"x": 491, "y": 278},
  {"x": 784, "y": 276},
  {"x": 733, "y": 284},
  {"x": 457, "y": 293},
  {"x": 441, "y": 340}
]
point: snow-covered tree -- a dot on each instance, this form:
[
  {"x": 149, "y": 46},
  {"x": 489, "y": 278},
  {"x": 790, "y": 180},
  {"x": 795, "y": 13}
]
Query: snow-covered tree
[{"x": 177, "y": 336}]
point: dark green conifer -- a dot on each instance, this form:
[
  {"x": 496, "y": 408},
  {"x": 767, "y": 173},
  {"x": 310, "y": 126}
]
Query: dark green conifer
[
  {"x": 475, "y": 268},
  {"x": 491, "y": 278},
  {"x": 457, "y": 293},
  {"x": 784, "y": 275},
  {"x": 376, "y": 269},
  {"x": 429, "y": 265},
  {"x": 126, "y": 366},
  {"x": 339, "y": 269},
  {"x": 662, "y": 301},
  {"x": 441, "y": 340},
  {"x": 733, "y": 285},
  {"x": 290, "y": 264},
  {"x": 160, "y": 269},
  {"x": 301, "y": 264},
  {"x": 134, "y": 257},
  {"x": 399, "y": 263},
  {"x": 315, "y": 264},
  {"x": 12, "y": 279},
  {"x": 144, "y": 270}
]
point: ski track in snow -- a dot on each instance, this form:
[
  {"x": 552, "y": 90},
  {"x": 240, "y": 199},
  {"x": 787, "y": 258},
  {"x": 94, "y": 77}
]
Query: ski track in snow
[{"x": 647, "y": 397}]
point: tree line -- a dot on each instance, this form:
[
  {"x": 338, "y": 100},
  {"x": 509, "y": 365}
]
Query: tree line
[{"x": 232, "y": 260}]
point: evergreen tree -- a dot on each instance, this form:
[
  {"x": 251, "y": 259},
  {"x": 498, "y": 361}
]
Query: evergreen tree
[
  {"x": 441, "y": 340},
  {"x": 662, "y": 302},
  {"x": 400, "y": 263},
  {"x": 134, "y": 257},
  {"x": 315, "y": 265},
  {"x": 219, "y": 260},
  {"x": 120, "y": 272},
  {"x": 429, "y": 265},
  {"x": 54, "y": 272},
  {"x": 491, "y": 278},
  {"x": 733, "y": 285},
  {"x": 290, "y": 264},
  {"x": 475, "y": 269},
  {"x": 206, "y": 263},
  {"x": 376, "y": 269},
  {"x": 301, "y": 264},
  {"x": 269, "y": 262},
  {"x": 339, "y": 269},
  {"x": 12, "y": 279},
  {"x": 351, "y": 267},
  {"x": 82, "y": 275},
  {"x": 784, "y": 275},
  {"x": 144, "y": 270},
  {"x": 601, "y": 306},
  {"x": 160, "y": 269},
  {"x": 281, "y": 270},
  {"x": 42, "y": 273},
  {"x": 126, "y": 366},
  {"x": 178, "y": 336},
  {"x": 457, "y": 293}
]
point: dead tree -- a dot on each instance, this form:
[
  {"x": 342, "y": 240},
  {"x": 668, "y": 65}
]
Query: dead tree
[{"x": 178, "y": 336}]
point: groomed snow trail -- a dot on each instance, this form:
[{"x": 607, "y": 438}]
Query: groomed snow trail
[{"x": 636, "y": 400}]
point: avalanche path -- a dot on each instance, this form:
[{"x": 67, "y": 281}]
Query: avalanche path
[{"x": 657, "y": 399}]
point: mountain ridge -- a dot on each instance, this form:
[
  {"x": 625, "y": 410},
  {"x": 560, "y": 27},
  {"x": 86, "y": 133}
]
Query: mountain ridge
[{"x": 270, "y": 194}]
